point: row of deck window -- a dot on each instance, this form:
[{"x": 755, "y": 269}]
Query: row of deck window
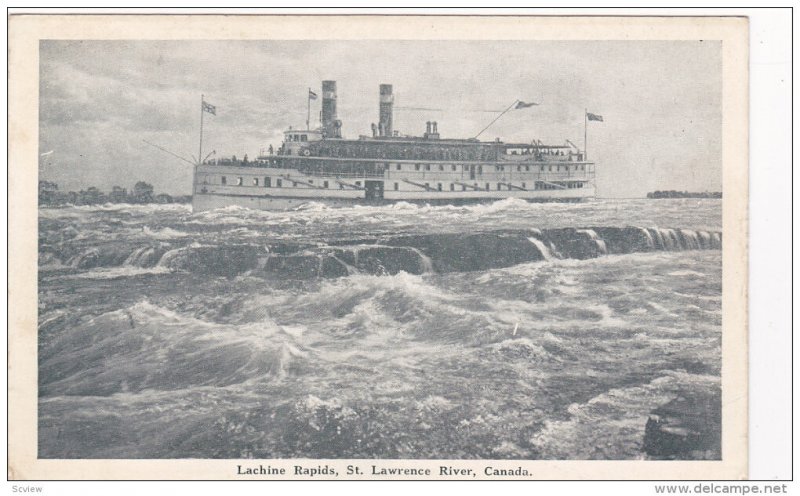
[
  {"x": 499, "y": 168},
  {"x": 539, "y": 185},
  {"x": 504, "y": 186},
  {"x": 279, "y": 182}
]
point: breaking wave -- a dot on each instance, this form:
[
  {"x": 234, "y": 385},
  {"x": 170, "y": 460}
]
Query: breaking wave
[
  {"x": 386, "y": 255},
  {"x": 148, "y": 347}
]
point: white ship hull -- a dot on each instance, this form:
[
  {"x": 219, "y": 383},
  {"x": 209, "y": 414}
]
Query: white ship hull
[{"x": 268, "y": 188}]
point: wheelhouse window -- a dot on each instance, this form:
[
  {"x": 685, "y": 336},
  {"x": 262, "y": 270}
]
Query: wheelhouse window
[
  {"x": 303, "y": 137},
  {"x": 452, "y": 187},
  {"x": 399, "y": 166},
  {"x": 427, "y": 167},
  {"x": 279, "y": 183},
  {"x": 453, "y": 167},
  {"x": 499, "y": 186},
  {"x": 439, "y": 186},
  {"x": 239, "y": 181},
  {"x": 396, "y": 186},
  {"x": 267, "y": 182},
  {"x": 255, "y": 181},
  {"x": 224, "y": 180},
  {"x": 441, "y": 167},
  {"x": 325, "y": 184},
  {"x": 416, "y": 166},
  {"x": 487, "y": 186}
]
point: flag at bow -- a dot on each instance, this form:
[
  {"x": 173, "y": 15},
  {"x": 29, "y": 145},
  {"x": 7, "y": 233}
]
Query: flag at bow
[
  {"x": 211, "y": 109},
  {"x": 311, "y": 95},
  {"x": 594, "y": 117},
  {"x": 522, "y": 105}
]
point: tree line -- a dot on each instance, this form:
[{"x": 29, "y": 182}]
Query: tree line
[
  {"x": 142, "y": 192},
  {"x": 684, "y": 194}
]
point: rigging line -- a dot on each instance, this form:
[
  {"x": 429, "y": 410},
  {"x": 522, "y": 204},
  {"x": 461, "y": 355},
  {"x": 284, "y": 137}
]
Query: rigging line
[
  {"x": 213, "y": 152},
  {"x": 496, "y": 118},
  {"x": 454, "y": 110},
  {"x": 173, "y": 154},
  {"x": 419, "y": 108}
]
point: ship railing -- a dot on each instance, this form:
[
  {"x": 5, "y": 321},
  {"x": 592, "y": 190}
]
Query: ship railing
[
  {"x": 555, "y": 185},
  {"x": 540, "y": 158},
  {"x": 427, "y": 187},
  {"x": 513, "y": 186},
  {"x": 335, "y": 174},
  {"x": 476, "y": 188},
  {"x": 300, "y": 181},
  {"x": 349, "y": 185},
  {"x": 239, "y": 163}
]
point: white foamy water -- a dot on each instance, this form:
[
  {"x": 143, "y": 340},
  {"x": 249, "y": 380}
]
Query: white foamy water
[
  {"x": 160, "y": 336},
  {"x": 543, "y": 249}
]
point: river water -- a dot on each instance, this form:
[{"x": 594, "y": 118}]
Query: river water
[{"x": 499, "y": 331}]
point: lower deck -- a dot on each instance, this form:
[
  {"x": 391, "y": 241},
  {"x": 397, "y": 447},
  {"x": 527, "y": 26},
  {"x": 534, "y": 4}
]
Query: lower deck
[{"x": 276, "y": 189}]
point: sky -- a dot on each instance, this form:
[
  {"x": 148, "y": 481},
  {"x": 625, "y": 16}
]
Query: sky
[{"x": 99, "y": 101}]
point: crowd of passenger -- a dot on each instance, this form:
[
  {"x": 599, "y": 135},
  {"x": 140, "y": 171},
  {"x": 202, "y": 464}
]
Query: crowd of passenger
[
  {"x": 404, "y": 151},
  {"x": 469, "y": 153}
]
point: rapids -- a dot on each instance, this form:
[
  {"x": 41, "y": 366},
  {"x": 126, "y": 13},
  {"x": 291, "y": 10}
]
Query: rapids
[{"x": 500, "y": 331}]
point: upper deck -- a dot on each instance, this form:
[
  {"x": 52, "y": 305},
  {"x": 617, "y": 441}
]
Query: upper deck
[{"x": 311, "y": 144}]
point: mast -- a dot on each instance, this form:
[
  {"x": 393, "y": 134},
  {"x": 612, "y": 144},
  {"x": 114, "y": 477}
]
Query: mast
[
  {"x": 308, "y": 113},
  {"x": 585, "y": 155},
  {"x": 202, "y": 111}
]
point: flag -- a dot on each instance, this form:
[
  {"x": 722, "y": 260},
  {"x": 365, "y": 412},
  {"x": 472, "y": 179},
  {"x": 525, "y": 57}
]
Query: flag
[
  {"x": 522, "y": 105},
  {"x": 211, "y": 109},
  {"x": 312, "y": 95},
  {"x": 594, "y": 117}
]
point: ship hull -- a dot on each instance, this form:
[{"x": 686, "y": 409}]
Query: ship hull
[
  {"x": 269, "y": 188},
  {"x": 203, "y": 201}
]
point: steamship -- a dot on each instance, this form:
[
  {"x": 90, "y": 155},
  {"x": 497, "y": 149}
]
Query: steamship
[{"x": 319, "y": 165}]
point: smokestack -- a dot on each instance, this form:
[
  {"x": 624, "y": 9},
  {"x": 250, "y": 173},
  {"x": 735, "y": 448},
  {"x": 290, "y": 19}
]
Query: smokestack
[
  {"x": 329, "y": 108},
  {"x": 385, "y": 114}
]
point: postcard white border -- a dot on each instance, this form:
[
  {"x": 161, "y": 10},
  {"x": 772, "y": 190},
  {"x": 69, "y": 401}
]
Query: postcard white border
[{"x": 25, "y": 31}]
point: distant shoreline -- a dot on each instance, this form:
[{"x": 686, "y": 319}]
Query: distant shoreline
[
  {"x": 181, "y": 201},
  {"x": 657, "y": 195},
  {"x": 141, "y": 194}
]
